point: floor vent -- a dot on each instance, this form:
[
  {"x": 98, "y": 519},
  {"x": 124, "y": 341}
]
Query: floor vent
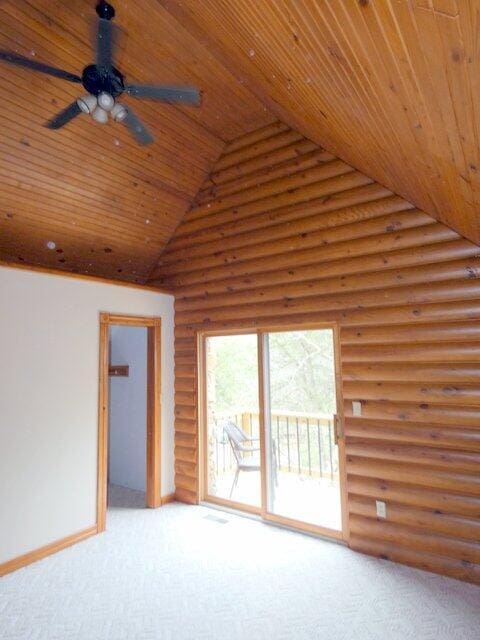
[{"x": 216, "y": 519}]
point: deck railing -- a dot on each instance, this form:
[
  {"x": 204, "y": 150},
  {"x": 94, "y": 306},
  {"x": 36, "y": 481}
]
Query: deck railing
[{"x": 303, "y": 442}]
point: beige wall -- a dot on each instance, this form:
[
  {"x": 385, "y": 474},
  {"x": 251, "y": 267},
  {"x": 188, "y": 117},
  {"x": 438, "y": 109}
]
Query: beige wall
[{"x": 49, "y": 332}]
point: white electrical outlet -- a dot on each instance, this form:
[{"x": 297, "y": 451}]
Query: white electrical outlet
[
  {"x": 356, "y": 408},
  {"x": 381, "y": 509}
]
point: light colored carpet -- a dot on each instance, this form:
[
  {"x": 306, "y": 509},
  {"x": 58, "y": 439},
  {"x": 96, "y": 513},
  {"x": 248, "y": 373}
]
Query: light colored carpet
[{"x": 193, "y": 573}]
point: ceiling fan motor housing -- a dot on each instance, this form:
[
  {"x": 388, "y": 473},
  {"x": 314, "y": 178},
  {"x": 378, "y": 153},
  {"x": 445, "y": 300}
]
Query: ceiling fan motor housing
[{"x": 97, "y": 80}]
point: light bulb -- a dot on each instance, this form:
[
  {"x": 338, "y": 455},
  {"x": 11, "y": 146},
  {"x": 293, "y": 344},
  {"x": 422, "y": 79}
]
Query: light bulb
[
  {"x": 119, "y": 112},
  {"x": 106, "y": 101},
  {"x": 100, "y": 115},
  {"x": 87, "y": 103}
]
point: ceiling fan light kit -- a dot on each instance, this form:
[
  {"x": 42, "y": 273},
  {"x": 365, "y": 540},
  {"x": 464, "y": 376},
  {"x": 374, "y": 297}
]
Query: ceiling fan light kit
[
  {"x": 119, "y": 112},
  {"x": 87, "y": 103},
  {"x": 106, "y": 101},
  {"x": 100, "y": 115},
  {"x": 104, "y": 84}
]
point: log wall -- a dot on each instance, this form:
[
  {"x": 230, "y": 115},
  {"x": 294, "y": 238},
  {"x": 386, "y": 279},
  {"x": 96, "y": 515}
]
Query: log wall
[{"x": 284, "y": 232}]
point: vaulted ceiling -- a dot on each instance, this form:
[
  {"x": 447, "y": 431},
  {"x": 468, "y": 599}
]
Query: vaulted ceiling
[{"x": 390, "y": 86}]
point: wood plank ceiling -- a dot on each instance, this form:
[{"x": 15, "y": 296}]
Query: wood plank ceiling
[
  {"x": 390, "y": 86},
  {"x": 108, "y": 204}
]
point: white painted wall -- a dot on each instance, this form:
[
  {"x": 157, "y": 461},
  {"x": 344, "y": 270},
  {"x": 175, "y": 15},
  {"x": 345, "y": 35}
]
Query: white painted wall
[
  {"x": 128, "y": 408},
  {"x": 49, "y": 343}
]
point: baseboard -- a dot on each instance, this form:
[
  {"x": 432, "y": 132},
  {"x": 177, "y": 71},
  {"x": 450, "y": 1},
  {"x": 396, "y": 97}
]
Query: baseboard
[
  {"x": 58, "y": 545},
  {"x": 47, "y": 550}
]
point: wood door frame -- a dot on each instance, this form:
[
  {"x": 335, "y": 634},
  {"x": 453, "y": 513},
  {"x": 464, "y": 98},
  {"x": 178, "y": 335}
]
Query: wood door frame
[
  {"x": 202, "y": 465},
  {"x": 153, "y": 426}
]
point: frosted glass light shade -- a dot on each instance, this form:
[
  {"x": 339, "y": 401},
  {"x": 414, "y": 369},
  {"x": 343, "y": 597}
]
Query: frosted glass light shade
[
  {"x": 100, "y": 115},
  {"x": 106, "y": 101},
  {"x": 87, "y": 103},
  {"x": 118, "y": 113}
]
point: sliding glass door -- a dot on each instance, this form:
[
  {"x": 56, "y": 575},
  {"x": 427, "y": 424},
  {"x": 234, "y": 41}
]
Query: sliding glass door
[
  {"x": 270, "y": 436},
  {"x": 302, "y": 462},
  {"x": 232, "y": 415}
]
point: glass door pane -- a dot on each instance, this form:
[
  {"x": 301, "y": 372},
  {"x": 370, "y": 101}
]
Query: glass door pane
[
  {"x": 302, "y": 458},
  {"x": 232, "y": 412}
]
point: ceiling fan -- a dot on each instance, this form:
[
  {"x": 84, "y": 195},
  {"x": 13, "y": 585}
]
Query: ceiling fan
[{"x": 104, "y": 84}]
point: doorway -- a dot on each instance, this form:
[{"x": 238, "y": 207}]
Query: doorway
[
  {"x": 272, "y": 426},
  {"x": 127, "y": 428},
  {"x": 121, "y": 339}
]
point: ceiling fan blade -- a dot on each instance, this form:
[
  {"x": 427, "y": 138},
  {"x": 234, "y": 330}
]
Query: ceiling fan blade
[
  {"x": 105, "y": 43},
  {"x": 139, "y": 131},
  {"x": 28, "y": 63},
  {"x": 64, "y": 117},
  {"x": 185, "y": 95}
]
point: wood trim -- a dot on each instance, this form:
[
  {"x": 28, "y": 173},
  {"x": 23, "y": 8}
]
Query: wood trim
[
  {"x": 102, "y": 466},
  {"x": 154, "y": 445},
  {"x": 47, "y": 550},
  {"x": 81, "y": 276},
  {"x": 306, "y": 527},
  {"x": 202, "y": 427},
  {"x": 131, "y": 321},
  {"x": 342, "y": 457},
  {"x": 168, "y": 499},
  {"x": 261, "y": 421},
  {"x": 154, "y": 427},
  {"x": 267, "y": 326},
  {"x": 232, "y": 504}
]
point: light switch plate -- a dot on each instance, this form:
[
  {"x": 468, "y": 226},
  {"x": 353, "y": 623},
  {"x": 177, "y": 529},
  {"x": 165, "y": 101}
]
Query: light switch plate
[
  {"x": 357, "y": 408},
  {"x": 381, "y": 509}
]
